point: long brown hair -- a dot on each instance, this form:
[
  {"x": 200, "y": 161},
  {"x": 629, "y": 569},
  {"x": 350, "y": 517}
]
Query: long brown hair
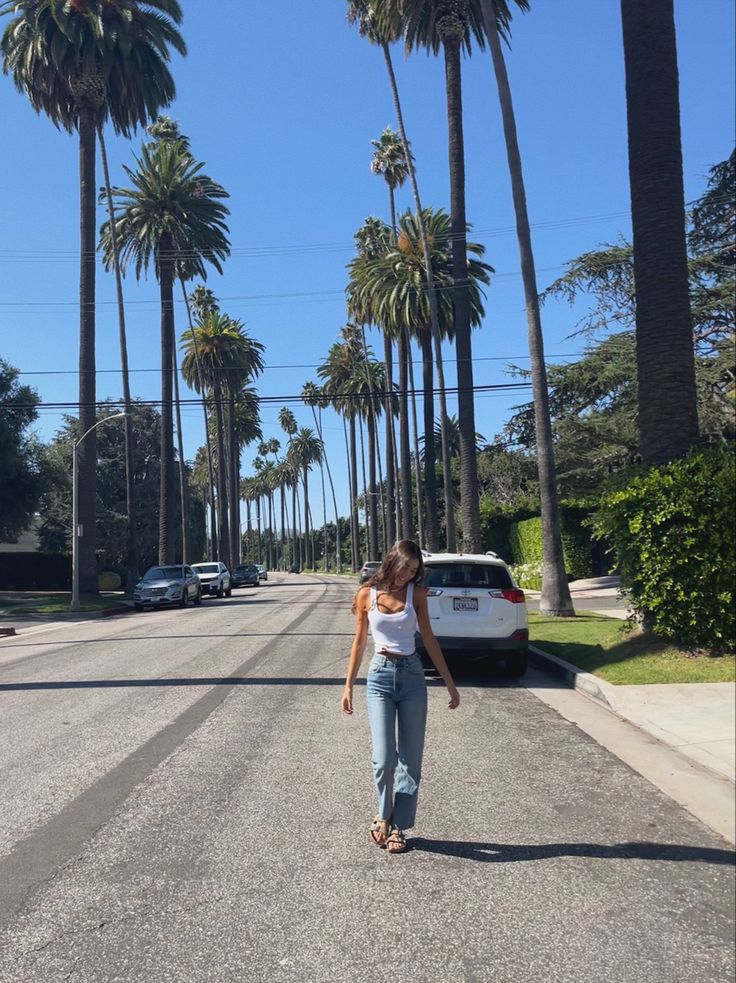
[{"x": 402, "y": 552}]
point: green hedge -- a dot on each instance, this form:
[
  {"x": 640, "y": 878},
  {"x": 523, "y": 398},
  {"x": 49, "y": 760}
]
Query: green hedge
[
  {"x": 672, "y": 531},
  {"x": 525, "y": 541},
  {"x": 35, "y": 571}
]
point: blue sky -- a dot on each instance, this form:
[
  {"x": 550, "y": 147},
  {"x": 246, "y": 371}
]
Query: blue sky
[{"x": 282, "y": 101}]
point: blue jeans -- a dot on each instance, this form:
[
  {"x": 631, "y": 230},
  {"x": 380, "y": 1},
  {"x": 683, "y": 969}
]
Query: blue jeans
[{"x": 396, "y": 692}]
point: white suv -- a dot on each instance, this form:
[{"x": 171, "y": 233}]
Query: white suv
[
  {"x": 475, "y": 609},
  {"x": 214, "y": 578}
]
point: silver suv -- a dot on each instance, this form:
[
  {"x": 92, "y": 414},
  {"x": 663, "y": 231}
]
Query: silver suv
[
  {"x": 214, "y": 578},
  {"x": 476, "y": 610}
]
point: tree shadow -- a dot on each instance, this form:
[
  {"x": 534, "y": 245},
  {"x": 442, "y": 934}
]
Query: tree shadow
[
  {"x": 56, "y": 684},
  {"x": 521, "y": 852}
]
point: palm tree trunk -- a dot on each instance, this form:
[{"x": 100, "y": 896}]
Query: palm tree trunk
[
  {"x": 430, "y": 479},
  {"x": 355, "y": 516},
  {"x": 555, "y": 599},
  {"x": 433, "y": 311},
  {"x": 233, "y": 480},
  {"x": 165, "y": 260},
  {"x": 222, "y": 509},
  {"x": 183, "y": 496},
  {"x": 214, "y": 553},
  {"x": 415, "y": 434},
  {"x": 131, "y": 536},
  {"x": 307, "y": 542},
  {"x": 297, "y": 558},
  {"x": 372, "y": 446},
  {"x": 87, "y": 451},
  {"x": 407, "y": 513},
  {"x": 366, "y": 507},
  {"x": 469, "y": 504},
  {"x": 668, "y": 417}
]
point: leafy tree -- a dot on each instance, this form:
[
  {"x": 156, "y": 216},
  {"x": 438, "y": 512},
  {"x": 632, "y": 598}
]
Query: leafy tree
[
  {"x": 81, "y": 63},
  {"x": 21, "y": 457},
  {"x": 56, "y": 504},
  {"x": 171, "y": 210}
]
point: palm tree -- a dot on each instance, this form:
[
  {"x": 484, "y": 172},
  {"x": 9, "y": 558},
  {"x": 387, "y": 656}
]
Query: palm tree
[
  {"x": 448, "y": 25},
  {"x": 388, "y": 289},
  {"x": 80, "y": 64},
  {"x": 381, "y": 24},
  {"x": 315, "y": 398},
  {"x": 668, "y": 420},
  {"x": 214, "y": 341},
  {"x": 287, "y": 422},
  {"x": 369, "y": 378},
  {"x": 172, "y": 210},
  {"x": 305, "y": 449},
  {"x": 555, "y": 599}
]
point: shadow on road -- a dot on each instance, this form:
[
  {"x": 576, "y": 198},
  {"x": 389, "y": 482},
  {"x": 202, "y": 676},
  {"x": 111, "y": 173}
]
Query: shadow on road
[{"x": 517, "y": 852}]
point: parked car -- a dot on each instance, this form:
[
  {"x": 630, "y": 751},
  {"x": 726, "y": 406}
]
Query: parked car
[
  {"x": 214, "y": 578},
  {"x": 476, "y": 611},
  {"x": 170, "y": 584},
  {"x": 368, "y": 569},
  {"x": 245, "y": 575},
  {"x": 262, "y": 572}
]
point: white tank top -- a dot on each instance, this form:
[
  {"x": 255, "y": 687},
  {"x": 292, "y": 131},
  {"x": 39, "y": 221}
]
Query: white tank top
[{"x": 393, "y": 634}]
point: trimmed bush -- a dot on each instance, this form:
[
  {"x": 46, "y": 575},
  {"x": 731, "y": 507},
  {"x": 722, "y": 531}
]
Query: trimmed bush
[
  {"x": 35, "y": 571},
  {"x": 672, "y": 531},
  {"x": 525, "y": 540}
]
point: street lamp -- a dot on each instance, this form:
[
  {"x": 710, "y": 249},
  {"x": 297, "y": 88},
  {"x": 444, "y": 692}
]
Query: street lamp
[{"x": 77, "y": 531}]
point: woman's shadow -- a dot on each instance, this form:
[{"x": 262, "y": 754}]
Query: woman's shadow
[{"x": 517, "y": 852}]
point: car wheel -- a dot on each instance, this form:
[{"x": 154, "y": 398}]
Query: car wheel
[
  {"x": 138, "y": 607},
  {"x": 198, "y": 597},
  {"x": 516, "y": 664},
  {"x": 220, "y": 591},
  {"x": 229, "y": 592},
  {"x": 184, "y": 602}
]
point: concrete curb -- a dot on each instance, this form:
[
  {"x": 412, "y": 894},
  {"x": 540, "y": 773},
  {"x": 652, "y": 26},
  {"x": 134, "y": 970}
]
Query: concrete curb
[{"x": 584, "y": 682}]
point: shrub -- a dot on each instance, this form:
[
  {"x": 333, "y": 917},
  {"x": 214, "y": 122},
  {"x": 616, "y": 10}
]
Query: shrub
[
  {"x": 528, "y": 575},
  {"x": 672, "y": 532},
  {"x": 525, "y": 540},
  {"x": 35, "y": 571}
]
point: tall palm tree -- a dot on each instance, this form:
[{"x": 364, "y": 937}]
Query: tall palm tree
[
  {"x": 668, "y": 420},
  {"x": 370, "y": 377},
  {"x": 244, "y": 412},
  {"x": 315, "y": 398},
  {"x": 172, "y": 210},
  {"x": 305, "y": 449},
  {"x": 287, "y": 422},
  {"x": 215, "y": 342},
  {"x": 555, "y": 599},
  {"x": 82, "y": 63},
  {"x": 381, "y": 24},
  {"x": 388, "y": 288},
  {"x": 448, "y": 25}
]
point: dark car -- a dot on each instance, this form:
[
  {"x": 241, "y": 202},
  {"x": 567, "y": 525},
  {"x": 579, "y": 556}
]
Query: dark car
[{"x": 245, "y": 575}]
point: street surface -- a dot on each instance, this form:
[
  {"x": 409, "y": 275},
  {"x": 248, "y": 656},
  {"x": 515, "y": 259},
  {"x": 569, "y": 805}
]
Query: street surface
[{"x": 181, "y": 800}]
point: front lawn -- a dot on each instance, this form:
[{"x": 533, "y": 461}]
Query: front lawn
[
  {"x": 58, "y": 603},
  {"x": 603, "y": 646}
]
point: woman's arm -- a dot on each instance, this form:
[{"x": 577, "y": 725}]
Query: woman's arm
[
  {"x": 357, "y": 649},
  {"x": 432, "y": 647}
]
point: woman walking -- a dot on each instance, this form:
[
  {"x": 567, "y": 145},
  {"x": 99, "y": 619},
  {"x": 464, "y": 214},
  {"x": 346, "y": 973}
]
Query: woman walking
[{"x": 396, "y": 692}]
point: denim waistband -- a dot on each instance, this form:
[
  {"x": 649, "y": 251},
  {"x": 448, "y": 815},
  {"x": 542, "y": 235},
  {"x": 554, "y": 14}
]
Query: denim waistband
[{"x": 394, "y": 660}]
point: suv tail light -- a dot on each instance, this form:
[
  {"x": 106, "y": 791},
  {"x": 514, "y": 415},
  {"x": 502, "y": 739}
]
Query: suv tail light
[
  {"x": 512, "y": 594},
  {"x": 432, "y": 591}
]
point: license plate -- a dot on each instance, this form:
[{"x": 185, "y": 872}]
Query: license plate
[{"x": 465, "y": 603}]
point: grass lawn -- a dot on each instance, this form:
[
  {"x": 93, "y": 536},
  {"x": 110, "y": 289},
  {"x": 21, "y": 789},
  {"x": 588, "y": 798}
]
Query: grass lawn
[
  {"x": 603, "y": 646},
  {"x": 58, "y": 603}
]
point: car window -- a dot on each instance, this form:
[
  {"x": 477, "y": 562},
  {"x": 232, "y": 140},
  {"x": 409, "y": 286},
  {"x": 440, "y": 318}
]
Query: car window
[
  {"x": 207, "y": 567},
  {"x": 189, "y": 571},
  {"x": 483, "y": 575},
  {"x": 163, "y": 573}
]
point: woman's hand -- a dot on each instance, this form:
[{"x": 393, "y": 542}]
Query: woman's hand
[
  {"x": 346, "y": 704},
  {"x": 454, "y": 696}
]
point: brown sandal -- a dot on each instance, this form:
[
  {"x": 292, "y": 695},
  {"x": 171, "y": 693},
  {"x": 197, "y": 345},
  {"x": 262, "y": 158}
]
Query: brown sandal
[
  {"x": 397, "y": 840},
  {"x": 379, "y": 832}
]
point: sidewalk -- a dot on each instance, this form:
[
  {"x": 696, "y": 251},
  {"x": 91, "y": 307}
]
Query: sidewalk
[{"x": 696, "y": 719}]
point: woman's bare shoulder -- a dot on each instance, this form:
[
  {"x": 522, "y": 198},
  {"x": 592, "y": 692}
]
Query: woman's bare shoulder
[{"x": 363, "y": 597}]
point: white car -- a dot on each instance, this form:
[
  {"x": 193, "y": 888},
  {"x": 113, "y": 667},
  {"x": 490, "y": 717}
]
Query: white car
[
  {"x": 476, "y": 610},
  {"x": 214, "y": 578}
]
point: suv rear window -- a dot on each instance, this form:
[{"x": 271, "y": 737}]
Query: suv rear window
[{"x": 484, "y": 575}]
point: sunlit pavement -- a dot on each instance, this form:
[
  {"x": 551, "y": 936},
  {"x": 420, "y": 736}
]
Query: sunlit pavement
[{"x": 180, "y": 800}]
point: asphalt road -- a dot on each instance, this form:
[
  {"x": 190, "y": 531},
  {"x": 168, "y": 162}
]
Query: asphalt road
[{"x": 181, "y": 800}]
